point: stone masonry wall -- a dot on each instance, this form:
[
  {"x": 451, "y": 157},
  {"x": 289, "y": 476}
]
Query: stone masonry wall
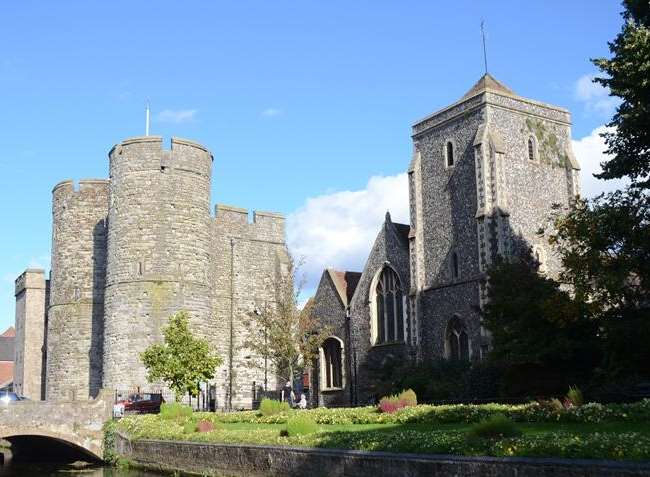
[
  {"x": 330, "y": 312},
  {"x": 159, "y": 249},
  {"x": 76, "y": 308},
  {"x": 368, "y": 359},
  {"x": 447, "y": 225},
  {"x": 248, "y": 259},
  {"x": 30, "y": 332}
]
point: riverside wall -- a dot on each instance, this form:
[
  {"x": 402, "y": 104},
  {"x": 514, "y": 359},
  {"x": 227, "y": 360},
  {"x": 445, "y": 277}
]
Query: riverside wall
[{"x": 264, "y": 461}]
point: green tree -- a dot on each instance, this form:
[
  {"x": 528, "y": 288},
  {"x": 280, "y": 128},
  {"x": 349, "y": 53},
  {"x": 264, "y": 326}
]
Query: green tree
[
  {"x": 540, "y": 334},
  {"x": 604, "y": 245},
  {"x": 182, "y": 361},
  {"x": 627, "y": 75},
  {"x": 280, "y": 332}
]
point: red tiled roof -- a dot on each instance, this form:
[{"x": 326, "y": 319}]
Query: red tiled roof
[
  {"x": 345, "y": 283},
  {"x": 9, "y": 332},
  {"x": 6, "y": 371}
]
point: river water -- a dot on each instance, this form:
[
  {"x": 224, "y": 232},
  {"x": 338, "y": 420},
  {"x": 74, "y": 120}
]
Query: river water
[{"x": 60, "y": 470}]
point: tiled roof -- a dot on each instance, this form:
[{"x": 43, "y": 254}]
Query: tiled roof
[
  {"x": 6, "y": 348},
  {"x": 345, "y": 283},
  {"x": 9, "y": 332},
  {"x": 6, "y": 372},
  {"x": 488, "y": 82}
]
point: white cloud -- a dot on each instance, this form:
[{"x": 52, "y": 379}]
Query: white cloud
[
  {"x": 337, "y": 230},
  {"x": 590, "y": 152},
  {"x": 271, "y": 112},
  {"x": 176, "y": 116},
  {"x": 595, "y": 96}
]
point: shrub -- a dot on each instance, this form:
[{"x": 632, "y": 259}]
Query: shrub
[
  {"x": 495, "y": 426},
  {"x": 574, "y": 397},
  {"x": 301, "y": 424},
  {"x": 270, "y": 407},
  {"x": 390, "y": 404},
  {"x": 408, "y": 398},
  {"x": 175, "y": 411},
  {"x": 204, "y": 426},
  {"x": 189, "y": 427}
]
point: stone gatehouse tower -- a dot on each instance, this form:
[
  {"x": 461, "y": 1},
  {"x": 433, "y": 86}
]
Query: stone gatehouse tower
[
  {"x": 485, "y": 173},
  {"x": 129, "y": 251}
]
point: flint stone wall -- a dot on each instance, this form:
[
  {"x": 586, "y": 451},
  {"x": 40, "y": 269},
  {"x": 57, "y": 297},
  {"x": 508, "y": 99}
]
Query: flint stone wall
[{"x": 265, "y": 461}]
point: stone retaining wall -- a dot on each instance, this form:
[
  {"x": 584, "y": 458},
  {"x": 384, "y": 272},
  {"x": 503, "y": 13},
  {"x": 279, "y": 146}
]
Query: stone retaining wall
[{"x": 259, "y": 461}]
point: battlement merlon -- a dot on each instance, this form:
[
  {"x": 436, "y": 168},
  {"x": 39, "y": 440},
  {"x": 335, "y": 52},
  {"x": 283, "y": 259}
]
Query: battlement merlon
[
  {"x": 30, "y": 278},
  {"x": 183, "y": 154},
  {"x": 68, "y": 186},
  {"x": 265, "y": 226},
  {"x": 494, "y": 98}
]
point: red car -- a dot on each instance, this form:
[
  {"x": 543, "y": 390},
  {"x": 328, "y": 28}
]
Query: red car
[{"x": 143, "y": 403}]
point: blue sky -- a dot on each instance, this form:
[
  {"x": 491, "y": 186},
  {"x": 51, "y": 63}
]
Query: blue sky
[{"x": 306, "y": 106}]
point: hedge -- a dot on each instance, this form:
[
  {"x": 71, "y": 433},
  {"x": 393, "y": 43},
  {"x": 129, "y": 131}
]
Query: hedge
[{"x": 456, "y": 413}]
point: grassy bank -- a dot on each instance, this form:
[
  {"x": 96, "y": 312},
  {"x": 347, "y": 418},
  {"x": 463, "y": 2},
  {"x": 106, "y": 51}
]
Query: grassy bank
[{"x": 616, "y": 432}]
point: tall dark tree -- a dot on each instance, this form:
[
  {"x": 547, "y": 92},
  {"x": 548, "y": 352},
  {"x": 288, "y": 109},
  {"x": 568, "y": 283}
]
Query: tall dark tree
[
  {"x": 604, "y": 244},
  {"x": 627, "y": 75},
  {"x": 541, "y": 335}
]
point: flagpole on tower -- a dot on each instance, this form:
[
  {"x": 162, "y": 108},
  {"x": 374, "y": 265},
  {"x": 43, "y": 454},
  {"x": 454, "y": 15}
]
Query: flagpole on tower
[
  {"x": 147, "y": 119},
  {"x": 484, "y": 48}
]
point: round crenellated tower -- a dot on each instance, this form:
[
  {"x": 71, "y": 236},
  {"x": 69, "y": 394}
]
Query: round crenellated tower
[
  {"x": 76, "y": 307},
  {"x": 159, "y": 249}
]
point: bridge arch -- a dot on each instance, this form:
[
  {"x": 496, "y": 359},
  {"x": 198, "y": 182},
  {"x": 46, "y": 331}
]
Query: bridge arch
[{"x": 38, "y": 445}]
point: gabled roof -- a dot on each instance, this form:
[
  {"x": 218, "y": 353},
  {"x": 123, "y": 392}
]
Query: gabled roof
[
  {"x": 9, "y": 332},
  {"x": 345, "y": 284},
  {"x": 6, "y": 348},
  {"x": 488, "y": 83}
]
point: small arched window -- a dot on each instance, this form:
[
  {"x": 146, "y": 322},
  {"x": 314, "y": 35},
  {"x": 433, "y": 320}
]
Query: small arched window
[
  {"x": 332, "y": 367},
  {"x": 449, "y": 153},
  {"x": 531, "y": 149},
  {"x": 389, "y": 308},
  {"x": 456, "y": 341},
  {"x": 455, "y": 266}
]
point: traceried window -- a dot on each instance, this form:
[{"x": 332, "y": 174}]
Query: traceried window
[
  {"x": 389, "y": 308},
  {"x": 449, "y": 153},
  {"x": 456, "y": 341},
  {"x": 332, "y": 367}
]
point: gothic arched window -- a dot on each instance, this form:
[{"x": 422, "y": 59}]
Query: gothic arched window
[
  {"x": 332, "y": 363},
  {"x": 449, "y": 153},
  {"x": 531, "y": 148},
  {"x": 456, "y": 341},
  {"x": 389, "y": 308}
]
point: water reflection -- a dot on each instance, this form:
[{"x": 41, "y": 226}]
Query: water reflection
[{"x": 58, "y": 470}]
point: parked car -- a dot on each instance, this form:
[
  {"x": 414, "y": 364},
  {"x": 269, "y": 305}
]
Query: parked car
[
  {"x": 139, "y": 403},
  {"x": 6, "y": 397}
]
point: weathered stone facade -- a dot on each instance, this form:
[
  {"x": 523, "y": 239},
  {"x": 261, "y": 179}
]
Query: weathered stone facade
[
  {"x": 484, "y": 176},
  {"x": 129, "y": 251},
  {"x": 31, "y": 293}
]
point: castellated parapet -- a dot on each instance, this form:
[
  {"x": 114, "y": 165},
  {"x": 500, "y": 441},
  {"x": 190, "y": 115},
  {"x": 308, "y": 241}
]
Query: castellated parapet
[
  {"x": 76, "y": 307},
  {"x": 129, "y": 251},
  {"x": 159, "y": 249}
]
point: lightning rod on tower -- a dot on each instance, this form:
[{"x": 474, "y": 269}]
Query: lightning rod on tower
[
  {"x": 147, "y": 120},
  {"x": 484, "y": 49}
]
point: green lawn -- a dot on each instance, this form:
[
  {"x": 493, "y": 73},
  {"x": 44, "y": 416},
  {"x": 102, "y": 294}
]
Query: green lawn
[{"x": 604, "y": 440}]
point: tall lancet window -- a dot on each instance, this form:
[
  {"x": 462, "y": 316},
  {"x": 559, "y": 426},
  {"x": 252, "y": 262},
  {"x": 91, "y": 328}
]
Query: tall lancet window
[
  {"x": 389, "y": 308},
  {"x": 449, "y": 152},
  {"x": 532, "y": 149}
]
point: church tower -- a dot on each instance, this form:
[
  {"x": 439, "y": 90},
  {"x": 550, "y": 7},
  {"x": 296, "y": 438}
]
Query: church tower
[{"x": 485, "y": 174}]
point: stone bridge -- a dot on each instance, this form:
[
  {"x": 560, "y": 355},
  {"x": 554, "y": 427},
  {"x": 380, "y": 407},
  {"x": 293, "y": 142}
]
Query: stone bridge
[{"x": 63, "y": 430}]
